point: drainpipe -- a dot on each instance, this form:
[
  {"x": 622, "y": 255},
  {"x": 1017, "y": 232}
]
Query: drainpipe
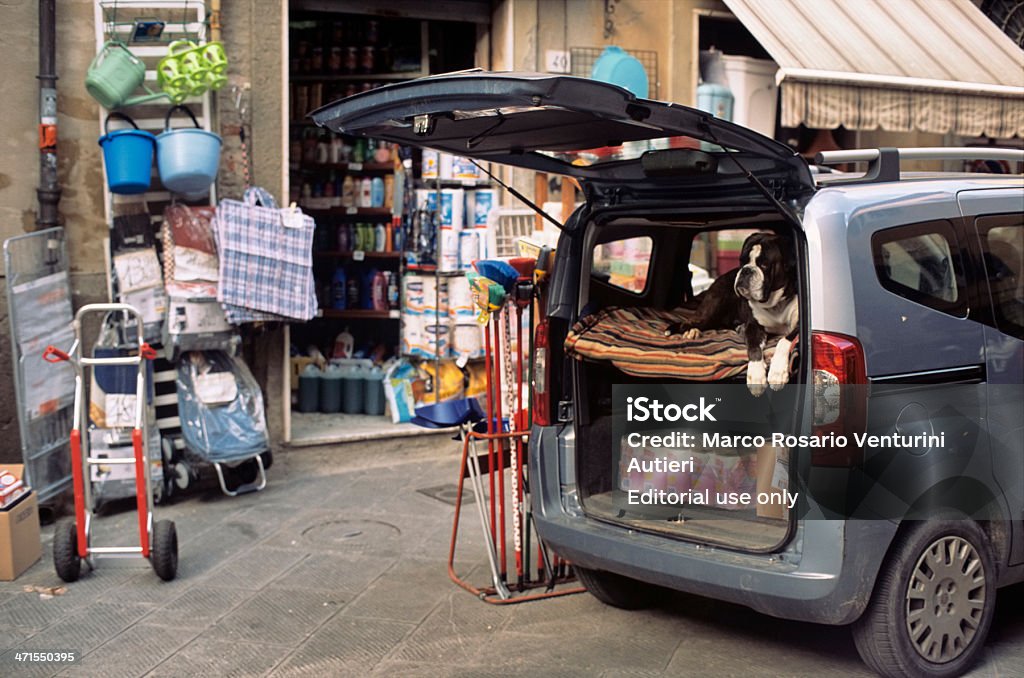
[{"x": 49, "y": 190}]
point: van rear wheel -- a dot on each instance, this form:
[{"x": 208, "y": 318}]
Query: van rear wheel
[
  {"x": 616, "y": 590},
  {"x": 933, "y": 602}
]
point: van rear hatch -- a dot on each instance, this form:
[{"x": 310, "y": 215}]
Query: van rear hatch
[
  {"x": 636, "y": 158},
  {"x": 560, "y": 124}
]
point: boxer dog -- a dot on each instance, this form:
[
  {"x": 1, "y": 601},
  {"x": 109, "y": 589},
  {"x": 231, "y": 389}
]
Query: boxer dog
[{"x": 759, "y": 298}]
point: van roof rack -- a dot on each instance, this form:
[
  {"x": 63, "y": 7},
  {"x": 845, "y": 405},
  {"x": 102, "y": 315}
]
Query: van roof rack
[{"x": 884, "y": 163}]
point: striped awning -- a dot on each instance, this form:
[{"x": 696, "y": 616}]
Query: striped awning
[{"x": 898, "y": 65}]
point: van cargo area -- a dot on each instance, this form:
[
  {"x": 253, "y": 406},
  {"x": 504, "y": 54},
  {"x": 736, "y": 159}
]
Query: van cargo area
[{"x": 634, "y": 265}]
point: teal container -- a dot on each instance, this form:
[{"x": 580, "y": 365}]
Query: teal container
[
  {"x": 352, "y": 391},
  {"x": 309, "y": 389},
  {"x": 715, "y": 99},
  {"x": 330, "y": 390},
  {"x": 619, "y": 67},
  {"x": 373, "y": 395}
]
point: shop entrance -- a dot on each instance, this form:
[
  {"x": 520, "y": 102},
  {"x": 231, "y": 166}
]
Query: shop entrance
[{"x": 375, "y": 241}]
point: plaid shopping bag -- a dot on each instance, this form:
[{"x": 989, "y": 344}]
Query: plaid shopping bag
[{"x": 266, "y": 270}]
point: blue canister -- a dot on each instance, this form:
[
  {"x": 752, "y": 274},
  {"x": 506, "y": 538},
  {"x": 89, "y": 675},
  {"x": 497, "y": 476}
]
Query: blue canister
[
  {"x": 309, "y": 389},
  {"x": 373, "y": 397},
  {"x": 330, "y": 389},
  {"x": 352, "y": 391},
  {"x": 377, "y": 192}
]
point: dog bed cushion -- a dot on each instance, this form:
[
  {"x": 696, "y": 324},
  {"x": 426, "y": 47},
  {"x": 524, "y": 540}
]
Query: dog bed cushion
[{"x": 634, "y": 341}]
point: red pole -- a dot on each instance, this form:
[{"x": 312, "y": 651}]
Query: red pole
[
  {"x": 490, "y": 430},
  {"x": 501, "y": 455},
  {"x": 77, "y": 478}
]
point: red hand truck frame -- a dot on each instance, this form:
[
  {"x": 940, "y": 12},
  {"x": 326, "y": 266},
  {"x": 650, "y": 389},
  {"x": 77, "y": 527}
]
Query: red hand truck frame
[{"x": 72, "y": 541}]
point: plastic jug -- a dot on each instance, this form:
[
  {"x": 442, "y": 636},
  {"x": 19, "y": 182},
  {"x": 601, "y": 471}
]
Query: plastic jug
[
  {"x": 114, "y": 74},
  {"x": 373, "y": 396},
  {"x": 352, "y": 387},
  {"x": 309, "y": 389},
  {"x": 330, "y": 389}
]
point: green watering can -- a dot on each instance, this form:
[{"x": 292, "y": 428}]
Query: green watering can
[{"x": 114, "y": 74}]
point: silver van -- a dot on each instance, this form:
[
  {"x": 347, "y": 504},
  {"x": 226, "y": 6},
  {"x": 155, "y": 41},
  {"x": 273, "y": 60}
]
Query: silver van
[{"x": 911, "y": 328}]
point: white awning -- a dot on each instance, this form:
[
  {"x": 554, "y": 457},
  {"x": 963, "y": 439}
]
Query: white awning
[{"x": 899, "y": 65}]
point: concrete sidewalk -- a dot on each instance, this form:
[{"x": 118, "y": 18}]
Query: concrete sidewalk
[{"x": 338, "y": 569}]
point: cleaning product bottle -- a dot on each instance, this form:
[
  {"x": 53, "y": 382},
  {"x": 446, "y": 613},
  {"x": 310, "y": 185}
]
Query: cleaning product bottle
[
  {"x": 392, "y": 290},
  {"x": 380, "y": 238},
  {"x": 352, "y": 291},
  {"x": 344, "y": 241},
  {"x": 365, "y": 192},
  {"x": 339, "y": 289},
  {"x": 366, "y": 292},
  {"x": 380, "y": 291},
  {"x": 389, "y": 191},
  {"x": 344, "y": 345},
  {"x": 348, "y": 192},
  {"x": 377, "y": 192}
]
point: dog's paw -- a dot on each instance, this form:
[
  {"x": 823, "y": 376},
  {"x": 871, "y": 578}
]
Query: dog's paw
[
  {"x": 756, "y": 380},
  {"x": 778, "y": 377},
  {"x": 682, "y": 330},
  {"x": 778, "y": 373}
]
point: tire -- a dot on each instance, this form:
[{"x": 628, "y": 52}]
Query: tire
[
  {"x": 65, "y": 551},
  {"x": 247, "y": 472},
  {"x": 949, "y": 565},
  {"x": 268, "y": 459},
  {"x": 616, "y": 590},
  {"x": 181, "y": 476},
  {"x": 163, "y": 554}
]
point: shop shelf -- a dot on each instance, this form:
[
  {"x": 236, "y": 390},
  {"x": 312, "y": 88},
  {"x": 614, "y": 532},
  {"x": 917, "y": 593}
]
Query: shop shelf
[
  {"x": 348, "y": 211},
  {"x": 358, "y": 77},
  {"x": 359, "y": 313},
  {"x": 355, "y": 167},
  {"x": 347, "y": 254}
]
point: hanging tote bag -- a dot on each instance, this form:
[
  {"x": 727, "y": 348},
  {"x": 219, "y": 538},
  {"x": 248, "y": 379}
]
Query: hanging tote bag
[{"x": 266, "y": 260}]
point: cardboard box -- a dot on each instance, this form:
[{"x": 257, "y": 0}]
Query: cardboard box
[
  {"x": 773, "y": 477},
  {"x": 20, "y": 544}
]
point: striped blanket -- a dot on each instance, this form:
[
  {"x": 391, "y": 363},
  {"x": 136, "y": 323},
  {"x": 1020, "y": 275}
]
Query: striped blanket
[{"x": 633, "y": 340}]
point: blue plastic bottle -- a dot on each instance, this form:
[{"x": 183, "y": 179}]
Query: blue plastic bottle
[
  {"x": 377, "y": 192},
  {"x": 338, "y": 290}
]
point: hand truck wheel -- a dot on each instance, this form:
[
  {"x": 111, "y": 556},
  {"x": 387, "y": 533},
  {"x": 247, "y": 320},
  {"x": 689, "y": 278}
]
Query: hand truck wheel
[
  {"x": 164, "y": 552},
  {"x": 268, "y": 459},
  {"x": 65, "y": 551}
]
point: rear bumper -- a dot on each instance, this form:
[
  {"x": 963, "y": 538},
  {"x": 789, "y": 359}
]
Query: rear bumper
[{"x": 825, "y": 574}]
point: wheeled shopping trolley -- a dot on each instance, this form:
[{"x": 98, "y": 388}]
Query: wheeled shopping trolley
[{"x": 72, "y": 541}]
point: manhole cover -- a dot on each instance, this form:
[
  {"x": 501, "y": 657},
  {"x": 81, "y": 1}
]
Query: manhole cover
[
  {"x": 447, "y": 493},
  {"x": 342, "y": 531}
]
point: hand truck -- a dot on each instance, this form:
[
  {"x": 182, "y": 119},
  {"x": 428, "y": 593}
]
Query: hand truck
[{"x": 158, "y": 541}]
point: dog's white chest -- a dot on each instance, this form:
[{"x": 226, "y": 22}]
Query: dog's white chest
[{"x": 776, "y": 318}]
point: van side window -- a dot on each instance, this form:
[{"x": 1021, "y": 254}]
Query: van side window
[
  {"x": 921, "y": 262},
  {"x": 1002, "y": 251},
  {"x": 624, "y": 263}
]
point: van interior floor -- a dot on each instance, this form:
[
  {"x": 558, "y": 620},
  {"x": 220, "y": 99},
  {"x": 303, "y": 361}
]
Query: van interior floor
[{"x": 740, "y": 529}]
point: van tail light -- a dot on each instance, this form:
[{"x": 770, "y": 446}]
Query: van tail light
[
  {"x": 541, "y": 376},
  {"x": 840, "y": 396}
]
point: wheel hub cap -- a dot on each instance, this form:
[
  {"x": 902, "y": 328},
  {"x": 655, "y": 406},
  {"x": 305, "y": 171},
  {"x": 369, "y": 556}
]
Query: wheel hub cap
[{"x": 945, "y": 599}]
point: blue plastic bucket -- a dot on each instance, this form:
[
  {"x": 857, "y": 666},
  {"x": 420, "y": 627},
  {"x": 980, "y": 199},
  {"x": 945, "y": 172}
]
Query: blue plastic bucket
[
  {"x": 127, "y": 156},
  {"x": 619, "y": 67},
  {"x": 187, "y": 158}
]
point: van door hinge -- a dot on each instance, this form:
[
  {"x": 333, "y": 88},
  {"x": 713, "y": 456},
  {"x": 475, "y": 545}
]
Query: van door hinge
[{"x": 564, "y": 411}]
